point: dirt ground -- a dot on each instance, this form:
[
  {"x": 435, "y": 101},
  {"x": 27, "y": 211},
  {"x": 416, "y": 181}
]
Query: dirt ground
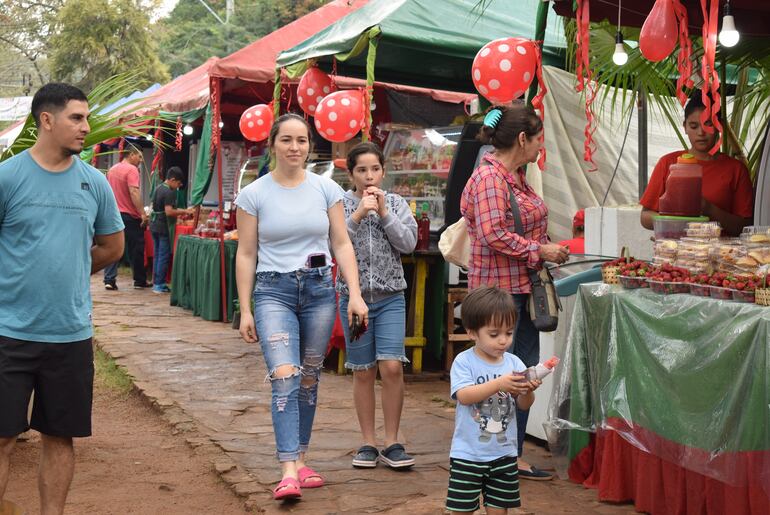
[{"x": 133, "y": 464}]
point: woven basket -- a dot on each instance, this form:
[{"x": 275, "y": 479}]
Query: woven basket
[
  {"x": 610, "y": 274},
  {"x": 762, "y": 295}
]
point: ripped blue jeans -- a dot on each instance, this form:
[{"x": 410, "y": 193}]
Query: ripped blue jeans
[{"x": 294, "y": 316}]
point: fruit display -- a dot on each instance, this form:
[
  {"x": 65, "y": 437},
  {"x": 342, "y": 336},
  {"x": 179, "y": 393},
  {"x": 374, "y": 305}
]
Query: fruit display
[
  {"x": 633, "y": 274},
  {"x": 700, "y": 290},
  {"x": 720, "y": 293},
  {"x": 670, "y": 279}
]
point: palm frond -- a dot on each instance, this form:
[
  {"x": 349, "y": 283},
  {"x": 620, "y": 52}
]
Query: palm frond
[{"x": 114, "y": 122}]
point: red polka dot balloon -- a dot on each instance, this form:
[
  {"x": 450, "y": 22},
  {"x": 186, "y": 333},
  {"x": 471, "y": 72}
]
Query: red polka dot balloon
[
  {"x": 256, "y": 121},
  {"x": 504, "y": 68},
  {"x": 340, "y": 115},
  {"x": 313, "y": 87}
]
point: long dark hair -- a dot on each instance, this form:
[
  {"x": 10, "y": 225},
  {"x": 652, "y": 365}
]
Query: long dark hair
[{"x": 515, "y": 119}]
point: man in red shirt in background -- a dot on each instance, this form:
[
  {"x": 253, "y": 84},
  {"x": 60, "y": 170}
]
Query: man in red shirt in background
[
  {"x": 124, "y": 180},
  {"x": 577, "y": 245}
]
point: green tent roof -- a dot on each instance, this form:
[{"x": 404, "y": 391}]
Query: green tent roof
[{"x": 426, "y": 43}]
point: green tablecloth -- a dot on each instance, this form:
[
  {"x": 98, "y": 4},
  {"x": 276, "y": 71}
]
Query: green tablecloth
[
  {"x": 681, "y": 377},
  {"x": 195, "y": 277}
]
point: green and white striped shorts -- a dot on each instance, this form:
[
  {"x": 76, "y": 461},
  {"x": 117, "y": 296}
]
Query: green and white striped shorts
[{"x": 497, "y": 480}]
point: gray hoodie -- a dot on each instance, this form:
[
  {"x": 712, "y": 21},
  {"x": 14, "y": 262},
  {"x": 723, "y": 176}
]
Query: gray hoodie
[{"x": 379, "y": 244}]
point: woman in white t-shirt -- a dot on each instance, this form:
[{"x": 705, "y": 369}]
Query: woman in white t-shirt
[{"x": 291, "y": 219}]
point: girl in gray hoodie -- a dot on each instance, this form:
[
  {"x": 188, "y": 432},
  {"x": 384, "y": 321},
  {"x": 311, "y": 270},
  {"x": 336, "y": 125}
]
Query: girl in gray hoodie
[{"x": 381, "y": 227}]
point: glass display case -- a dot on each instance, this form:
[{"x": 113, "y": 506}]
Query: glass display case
[
  {"x": 328, "y": 169},
  {"x": 417, "y": 163}
]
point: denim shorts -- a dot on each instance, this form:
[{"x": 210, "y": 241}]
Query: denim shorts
[{"x": 384, "y": 337}]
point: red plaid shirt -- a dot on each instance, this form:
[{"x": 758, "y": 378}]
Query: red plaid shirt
[{"x": 499, "y": 256}]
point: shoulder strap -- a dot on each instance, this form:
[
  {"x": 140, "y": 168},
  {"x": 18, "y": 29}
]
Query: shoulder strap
[{"x": 515, "y": 211}]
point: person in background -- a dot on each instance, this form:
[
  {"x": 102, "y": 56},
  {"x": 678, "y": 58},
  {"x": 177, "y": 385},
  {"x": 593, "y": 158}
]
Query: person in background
[
  {"x": 124, "y": 180},
  {"x": 293, "y": 220},
  {"x": 500, "y": 256},
  {"x": 381, "y": 227},
  {"x": 728, "y": 194},
  {"x": 488, "y": 384},
  {"x": 59, "y": 223},
  {"x": 577, "y": 245},
  {"x": 164, "y": 213}
]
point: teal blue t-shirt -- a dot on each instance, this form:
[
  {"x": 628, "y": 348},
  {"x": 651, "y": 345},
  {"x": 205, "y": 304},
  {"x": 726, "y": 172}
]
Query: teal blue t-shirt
[{"x": 47, "y": 224}]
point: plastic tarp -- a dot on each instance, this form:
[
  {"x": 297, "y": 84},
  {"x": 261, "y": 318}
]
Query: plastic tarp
[
  {"x": 683, "y": 379},
  {"x": 187, "y": 92},
  {"x": 425, "y": 43}
]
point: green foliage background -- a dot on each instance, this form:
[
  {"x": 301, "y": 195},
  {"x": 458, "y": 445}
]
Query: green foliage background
[{"x": 190, "y": 34}]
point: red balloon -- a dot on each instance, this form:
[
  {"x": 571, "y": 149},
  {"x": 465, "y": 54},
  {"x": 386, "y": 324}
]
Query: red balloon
[
  {"x": 340, "y": 115},
  {"x": 659, "y": 33},
  {"x": 313, "y": 87},
  {"x": 504, "y": 68},
  {"x": 256, "y": 121}
]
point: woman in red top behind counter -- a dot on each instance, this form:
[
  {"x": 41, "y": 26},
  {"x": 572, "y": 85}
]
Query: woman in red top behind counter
[{"x": 728, "y": 195}]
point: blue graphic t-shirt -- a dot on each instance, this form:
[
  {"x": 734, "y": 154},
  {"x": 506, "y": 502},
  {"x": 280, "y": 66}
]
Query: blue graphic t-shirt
[
  {"x": 47, "y": 224},
  {"x": 484, "y": 431}
]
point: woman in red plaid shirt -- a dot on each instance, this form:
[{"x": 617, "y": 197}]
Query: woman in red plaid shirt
[{"x": 499, "y": 256}]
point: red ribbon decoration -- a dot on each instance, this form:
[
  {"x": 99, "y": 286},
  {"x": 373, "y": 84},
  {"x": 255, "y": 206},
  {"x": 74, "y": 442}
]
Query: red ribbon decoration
[
  {"x": 684, "y": 64},
  {"x": 215, "y": 113},
  {"x": 537, "y": 100},
  {"x": 158, "y": 158},
  {"x": 178, "y": 142},
  {"x": 709, "y": 72},
  {"x": 121, "y": 145},
  {"x": 585, "y": 78},
  {"x": 367, "y": 128},
  {"x": 97, "y": 149}
]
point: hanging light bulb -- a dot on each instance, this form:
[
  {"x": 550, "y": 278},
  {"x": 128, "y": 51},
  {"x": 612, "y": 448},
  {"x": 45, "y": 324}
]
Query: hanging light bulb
[
  {"x": 620, "y": 57},
  {"x": 729, "y": 35},
  {"x": 187, "y": 129},
  {"x": 221, "y": 124},
  {"x": 148, "y": 136},
  {"x": 372, "y": 106}
]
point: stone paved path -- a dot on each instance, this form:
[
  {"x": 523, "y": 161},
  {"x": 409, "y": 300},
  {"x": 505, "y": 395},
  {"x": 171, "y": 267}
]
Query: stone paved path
[{"x": 210, "y": 385}]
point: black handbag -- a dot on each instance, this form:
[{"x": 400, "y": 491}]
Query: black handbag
[{"x": 544, "y": 304}]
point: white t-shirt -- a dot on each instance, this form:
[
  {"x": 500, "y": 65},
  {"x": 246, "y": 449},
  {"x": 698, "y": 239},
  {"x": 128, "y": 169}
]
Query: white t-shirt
[{"x": 293, "y": 222}]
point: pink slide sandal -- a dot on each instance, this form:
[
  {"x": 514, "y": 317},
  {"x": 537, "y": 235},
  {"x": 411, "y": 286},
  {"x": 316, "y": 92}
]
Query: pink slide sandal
[
  {"x": 288, "y": 488},
  {"x": 309, "y": 478}
]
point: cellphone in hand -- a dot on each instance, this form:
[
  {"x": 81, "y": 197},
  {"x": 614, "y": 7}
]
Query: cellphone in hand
[{"x": 356, "y": 329}]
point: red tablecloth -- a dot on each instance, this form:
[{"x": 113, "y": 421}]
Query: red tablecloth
[{"x": 621, "y": 472}]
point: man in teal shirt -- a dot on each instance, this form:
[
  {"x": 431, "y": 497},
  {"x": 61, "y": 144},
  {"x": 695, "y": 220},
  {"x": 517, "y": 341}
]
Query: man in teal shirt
[{"x": 59, "y": 223}]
